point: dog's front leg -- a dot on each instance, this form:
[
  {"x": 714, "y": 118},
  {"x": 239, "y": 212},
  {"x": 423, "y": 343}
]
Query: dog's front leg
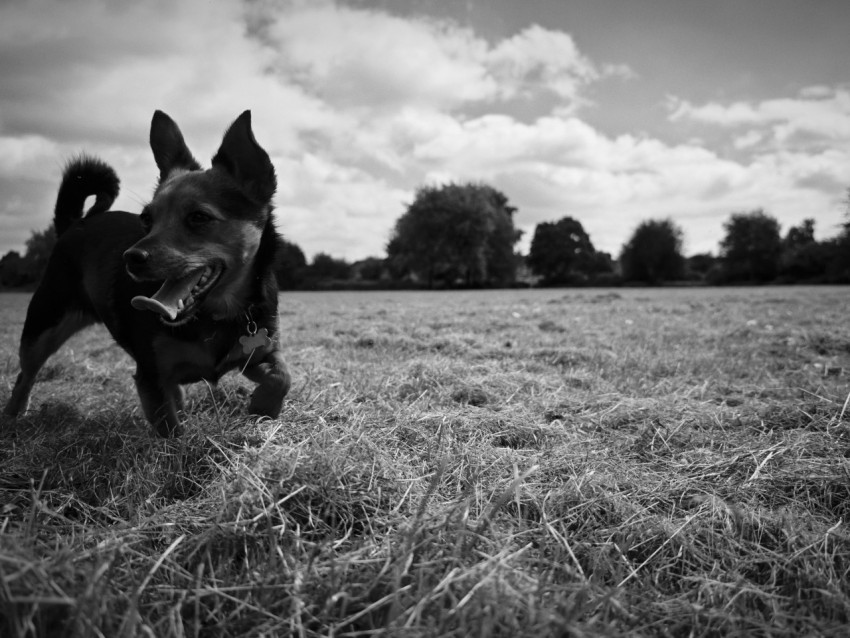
[
  {"x": 273, "y": 380},
  {"x": 160, "y": 403}
]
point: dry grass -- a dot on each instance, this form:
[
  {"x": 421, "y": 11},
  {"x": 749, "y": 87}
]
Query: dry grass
[{"x": 517, "y": 463}]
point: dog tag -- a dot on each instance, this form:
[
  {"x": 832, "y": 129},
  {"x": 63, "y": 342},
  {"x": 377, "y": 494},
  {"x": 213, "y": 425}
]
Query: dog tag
[{"x": 259, "y": 339}]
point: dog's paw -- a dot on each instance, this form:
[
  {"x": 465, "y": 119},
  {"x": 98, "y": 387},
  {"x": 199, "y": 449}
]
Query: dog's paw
[
  {"x": 18, "y": 404},
  {"x": 267, "y": 400}
]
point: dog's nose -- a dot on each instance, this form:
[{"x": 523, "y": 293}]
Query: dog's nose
[{"x": 135, "y": 257}]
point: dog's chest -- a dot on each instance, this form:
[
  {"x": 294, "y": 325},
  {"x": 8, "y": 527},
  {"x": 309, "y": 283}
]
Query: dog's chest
[{"x": 189, "y": 361}]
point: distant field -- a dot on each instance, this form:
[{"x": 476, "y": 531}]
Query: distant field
[{"x": 486, "y": 463}]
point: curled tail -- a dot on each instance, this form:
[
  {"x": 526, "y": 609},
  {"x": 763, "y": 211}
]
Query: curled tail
[{"x": 84, "y": 176}]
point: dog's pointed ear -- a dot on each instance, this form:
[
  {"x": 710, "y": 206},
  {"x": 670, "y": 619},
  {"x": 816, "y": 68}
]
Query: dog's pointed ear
[
  {"x": 169, "y": 148},
  {"x": 245, "y": 160}
]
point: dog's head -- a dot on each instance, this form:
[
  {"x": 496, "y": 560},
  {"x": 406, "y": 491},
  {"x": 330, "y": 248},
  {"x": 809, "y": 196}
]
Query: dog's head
[{"x": 202, "y": 227}]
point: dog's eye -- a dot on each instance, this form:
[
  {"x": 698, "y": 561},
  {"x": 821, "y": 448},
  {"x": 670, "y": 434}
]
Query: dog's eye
[
  {"x": 147, "y": 221},
  {"x": 199, "y": 218}
]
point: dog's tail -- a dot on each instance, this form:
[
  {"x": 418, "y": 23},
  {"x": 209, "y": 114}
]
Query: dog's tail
[{"x": 84, "y": 176}]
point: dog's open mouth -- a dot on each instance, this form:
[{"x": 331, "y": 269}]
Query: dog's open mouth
[{"x": 177, "y": 299}]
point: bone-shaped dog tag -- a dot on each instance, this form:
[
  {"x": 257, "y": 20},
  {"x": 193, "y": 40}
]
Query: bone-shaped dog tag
[{"x": 259, "y": 339}]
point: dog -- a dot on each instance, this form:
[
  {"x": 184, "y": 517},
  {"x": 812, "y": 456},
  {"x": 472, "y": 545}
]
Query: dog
[{"x": 187, "y": 288}]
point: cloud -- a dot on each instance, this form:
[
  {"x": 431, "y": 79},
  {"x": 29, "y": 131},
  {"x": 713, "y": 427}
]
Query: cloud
[
  {"x": 356, "y": 57},
  {"x": 796, "y": 150},
  {"x": 817, "y": 114},
  {"x": 88, "y": 76},
  {"x": 357, "y": 108},
  {"x": 353, "y": 57},
  {"x": 362, "y": 89},
  {"x": 560, "y": 165},
  {"x": 748, "y": 139},
  {"x": 25, "y": 155},
  {"x": 322, "y": 198},
  {"x": 539, "y": 58},
  {"x": 364, "y": 94}
]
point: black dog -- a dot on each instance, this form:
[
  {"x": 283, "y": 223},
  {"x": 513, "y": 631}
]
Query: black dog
[{"x": 187, "y": 288}]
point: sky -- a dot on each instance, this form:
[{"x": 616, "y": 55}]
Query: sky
[{"x": 609, "y": 111}]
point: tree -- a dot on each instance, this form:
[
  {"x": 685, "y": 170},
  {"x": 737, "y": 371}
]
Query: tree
[
  {"x": 455, "y": 234},
  {"x": 700, "y": 265},
  {"x": 325, "y": 268},
  {"x": 12, "y": 272},
  {"x": 799, "y": 236},
  {"x": 38, "y": 249},
  {"x": 751, "y": 248},
  {"x": 370, "y": 269},
  {"x": 838, "y": 269},
  {"x": 291, "y": 266},
  {"x": 21, "y": 270},
  {"x": 803, "y": 257},
  {"x": 654, "y": 253},
  {"x": 561, "y": 252}
]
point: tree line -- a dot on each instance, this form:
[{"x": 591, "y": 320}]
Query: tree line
[{"x": 463, "y": 235}]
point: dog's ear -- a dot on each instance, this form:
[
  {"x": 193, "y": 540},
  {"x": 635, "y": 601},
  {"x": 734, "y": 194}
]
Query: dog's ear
[
  {"x": 169, "y": 149},
  {"x": 245, "y": 160}
]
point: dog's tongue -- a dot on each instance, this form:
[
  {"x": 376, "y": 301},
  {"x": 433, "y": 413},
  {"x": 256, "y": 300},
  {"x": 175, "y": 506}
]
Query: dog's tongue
[{"x": 170, "y": 294}]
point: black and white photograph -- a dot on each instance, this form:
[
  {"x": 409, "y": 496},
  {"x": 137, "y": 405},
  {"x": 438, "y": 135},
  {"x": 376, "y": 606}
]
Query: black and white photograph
[{"x": 424, "y": 318}]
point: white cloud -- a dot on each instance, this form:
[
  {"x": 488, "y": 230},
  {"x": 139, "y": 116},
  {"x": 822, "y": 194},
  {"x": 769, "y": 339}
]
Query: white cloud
[
  {"x": 799, "y": 152},
  {"x": 748, "y": 139},
  {"x": 362, "y": 58},
  {"x": 557, "y": 166},
  {"x": 539, "y": 57},
  {"x": 359, "y": 107},
  {"x": 366, "y": 93},
  {"x": 322, "y": 198},
  {"x": 24, "y": 155},
  {"x": 817, "y": 112},
  {"x": 353, "y": 57}
]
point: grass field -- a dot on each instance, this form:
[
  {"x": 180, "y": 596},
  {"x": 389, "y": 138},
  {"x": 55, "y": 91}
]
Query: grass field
[{"x": 502, "y": 463}]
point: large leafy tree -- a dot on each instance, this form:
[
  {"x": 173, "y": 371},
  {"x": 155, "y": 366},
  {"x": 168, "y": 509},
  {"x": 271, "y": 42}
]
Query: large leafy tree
[
  {"x": 39, "y": 246},
  {"x": 653, "y": 254},
  {"x": 751, "y": 248},
  {"x": 291, "y": 267},
  {"x": 838, "y": 269},
  {"x": 561, "y": 252},
  {"x": 13, "y": 270},
  {"x": 800, "y": 236},
  {"x": 325, "y": 267},
  {"x": 17, "y": 270},
  {"x": 803, "y": 257},
  {"x": 456, "y": 234}
]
